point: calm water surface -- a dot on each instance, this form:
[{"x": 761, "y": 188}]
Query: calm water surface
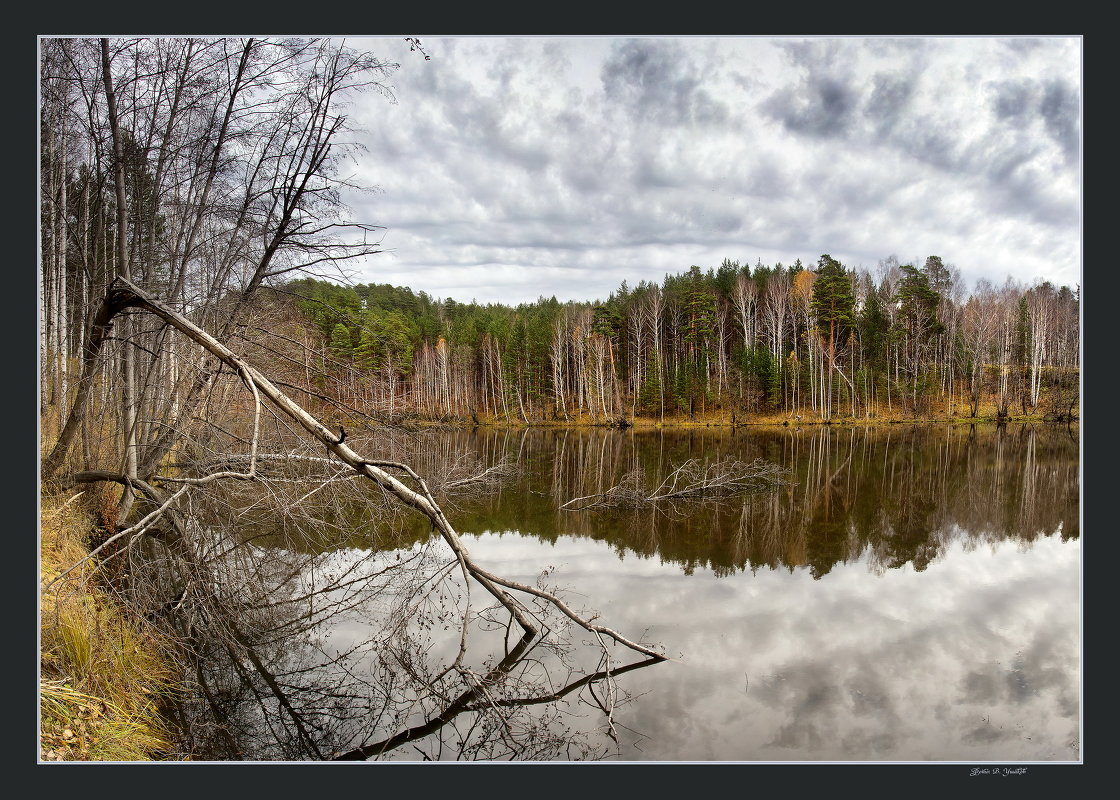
[{"x": 912, "y": 594}]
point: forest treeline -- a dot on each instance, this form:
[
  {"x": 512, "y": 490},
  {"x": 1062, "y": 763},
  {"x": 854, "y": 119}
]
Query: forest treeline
[{"x": 729, "y": 341}]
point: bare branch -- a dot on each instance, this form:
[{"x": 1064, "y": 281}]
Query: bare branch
[{"x": 693, "y": 479}]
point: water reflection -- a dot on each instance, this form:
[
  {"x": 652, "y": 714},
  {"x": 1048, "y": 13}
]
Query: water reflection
[
  {"x": 912, "y": 595},
  {"x": 899, "y": 493},
  {"x": 974, "y": 658},
  {"x": 361, "y": 655},
  {"x": 480, "y": 698}
]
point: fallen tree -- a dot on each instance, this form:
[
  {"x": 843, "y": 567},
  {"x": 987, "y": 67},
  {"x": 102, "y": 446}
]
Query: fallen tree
[
  {"x": 124, "y": 294},
  {"x": 692, "y": 480}
]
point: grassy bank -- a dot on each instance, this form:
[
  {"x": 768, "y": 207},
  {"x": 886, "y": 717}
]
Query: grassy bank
[
  {"x": 727, "y": 419},
  {"x": 104, "y": 673}
]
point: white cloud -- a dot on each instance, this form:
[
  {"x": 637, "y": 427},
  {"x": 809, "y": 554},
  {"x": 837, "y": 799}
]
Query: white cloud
[{"x": 515, "y": 167}]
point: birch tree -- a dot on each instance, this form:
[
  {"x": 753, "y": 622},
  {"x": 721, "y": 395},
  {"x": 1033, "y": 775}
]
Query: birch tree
[
  {"x": 1041, "y": 300},
  {"x": 240, "y": 143},
  {"x": 776, "y": 308},
  {"x": 978, "y": 328}
]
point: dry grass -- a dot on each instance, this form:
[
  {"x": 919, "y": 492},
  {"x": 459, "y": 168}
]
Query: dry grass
[
  {"x": 938, "y": 410},
  {"x": 103, "y": 673}
]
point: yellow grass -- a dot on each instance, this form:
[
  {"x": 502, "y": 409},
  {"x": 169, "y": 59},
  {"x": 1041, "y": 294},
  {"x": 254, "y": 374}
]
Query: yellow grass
[{"x": 103, "y": 673}]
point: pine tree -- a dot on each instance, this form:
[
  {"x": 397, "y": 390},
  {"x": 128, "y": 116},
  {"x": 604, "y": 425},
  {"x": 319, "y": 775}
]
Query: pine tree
[
  {"x": 367, "y": 354},
  {"x": 917, "y": 305},
  {"x": 340, "y": 345},
  {"x": 834, "y": 307}
]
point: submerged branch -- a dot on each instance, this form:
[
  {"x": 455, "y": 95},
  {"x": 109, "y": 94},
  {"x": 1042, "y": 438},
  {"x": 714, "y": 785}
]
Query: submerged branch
[
  {"x": 694, "y": 479},
  {"x": 485, "y": 479}
]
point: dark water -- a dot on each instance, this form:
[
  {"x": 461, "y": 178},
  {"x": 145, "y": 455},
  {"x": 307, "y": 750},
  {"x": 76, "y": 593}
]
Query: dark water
[{"x": 912, "y": 594}]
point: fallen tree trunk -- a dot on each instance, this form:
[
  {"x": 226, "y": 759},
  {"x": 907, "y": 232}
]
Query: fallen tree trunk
[{"x": 124, "y": 294}]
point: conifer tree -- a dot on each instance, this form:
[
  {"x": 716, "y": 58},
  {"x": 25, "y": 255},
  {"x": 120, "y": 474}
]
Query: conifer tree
[
  {"x": 833, "y": 306},
  {"x": 917, "y": 305},
  {"x": 340, "y": 343}
]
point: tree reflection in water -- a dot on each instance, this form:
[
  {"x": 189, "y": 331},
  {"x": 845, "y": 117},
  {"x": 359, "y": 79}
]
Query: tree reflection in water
[
  {"x": 306, "y": 647},
  {"x": 892, "y": 495}
]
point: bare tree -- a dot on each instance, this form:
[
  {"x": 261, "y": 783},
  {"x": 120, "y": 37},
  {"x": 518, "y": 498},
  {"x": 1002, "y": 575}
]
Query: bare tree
[
  {"x": 1041, "y": 300},
  {"x": 775, "y": 312},
  {"x": 801, "y": 295},
  {"x": 745, "y": 297},
  {"x": 224, "y": 164},
  {"x": 1006, "y": 311},
  {"x": 212, "y": 573},
  {"x": 978, "y": 329},
  {"x": 559, "y": 351},
  {"x": 651, "y": 309}
]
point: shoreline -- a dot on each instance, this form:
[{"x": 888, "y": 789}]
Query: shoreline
[{"x": 656, "y": 424}]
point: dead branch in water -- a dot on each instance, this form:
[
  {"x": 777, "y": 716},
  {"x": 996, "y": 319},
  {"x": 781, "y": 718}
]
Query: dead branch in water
[{"x": 694, "y": 479}]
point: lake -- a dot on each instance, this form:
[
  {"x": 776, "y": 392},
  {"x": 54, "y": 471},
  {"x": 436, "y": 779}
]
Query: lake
[{"x": 910, "y": 593}]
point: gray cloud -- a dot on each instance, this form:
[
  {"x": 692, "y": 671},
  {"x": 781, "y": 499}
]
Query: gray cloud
[
  {"x": 889, "y": 99},
  {"x": 1055, "y": 102},
  {"x": 1013, "y": 98},
  {"x": 653, "y": 172},
  {"x": 822, "y": 106},
  {"x": 1008, "y": 165},
  {"x": 767, "y": 180},
  {"x": 930, "y": 141},
  {"x": 824, "y": 102},
  {"x": 890, "y": 47},
  {"x": 658, "y": 80},
  {"x": 1059, "y": 109},
  {"x": 1021, "y": 45}
]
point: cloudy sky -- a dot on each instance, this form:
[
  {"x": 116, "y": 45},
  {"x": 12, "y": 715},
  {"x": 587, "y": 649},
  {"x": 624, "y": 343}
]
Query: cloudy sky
[
  {"x": 510, "y": 168},
  {"x": 975, "y": 658}
]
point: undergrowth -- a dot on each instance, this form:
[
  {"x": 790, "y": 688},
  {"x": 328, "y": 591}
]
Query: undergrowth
[{"x": 104, "y": 673}]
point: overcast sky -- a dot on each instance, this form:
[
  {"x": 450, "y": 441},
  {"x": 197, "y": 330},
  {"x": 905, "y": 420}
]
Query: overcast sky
[{"x": 511, "y": 168}]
